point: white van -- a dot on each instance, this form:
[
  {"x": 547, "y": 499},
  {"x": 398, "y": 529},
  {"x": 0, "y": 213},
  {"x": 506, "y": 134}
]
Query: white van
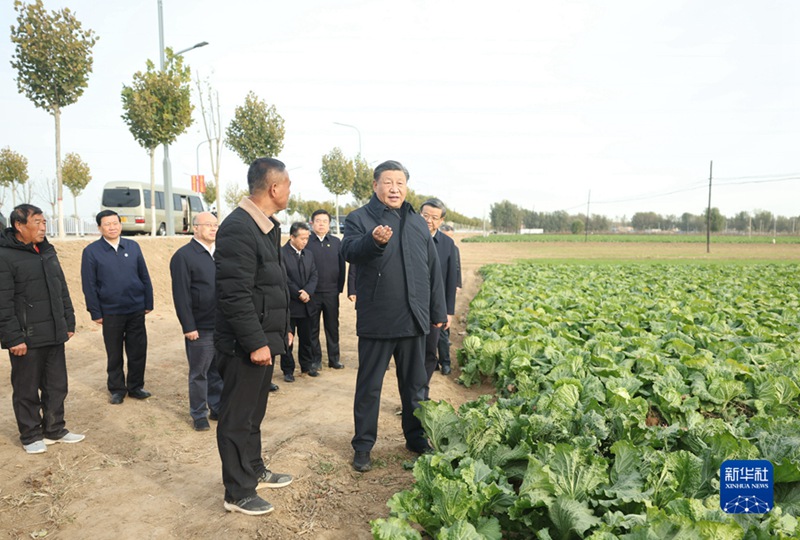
[{"x": 131, "y": 200}]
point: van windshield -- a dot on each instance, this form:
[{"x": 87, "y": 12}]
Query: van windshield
[{"x": 121, "y": 197}]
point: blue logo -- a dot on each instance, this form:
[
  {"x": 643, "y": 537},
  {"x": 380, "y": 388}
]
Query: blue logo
[{"x": 746, "y": 486}]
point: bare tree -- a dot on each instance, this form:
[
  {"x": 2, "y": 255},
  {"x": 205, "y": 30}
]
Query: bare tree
[{"x": 209, "y": 111}]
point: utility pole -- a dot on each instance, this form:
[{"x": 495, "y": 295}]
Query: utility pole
[
  {"x": 708, "y": 211},
  {"x": 586, "y": 228}
]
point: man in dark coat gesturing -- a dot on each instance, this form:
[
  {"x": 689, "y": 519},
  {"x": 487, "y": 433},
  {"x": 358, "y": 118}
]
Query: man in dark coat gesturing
[
  {"x": 252, "y": 327},
  {"x": 399, "y": 295}
]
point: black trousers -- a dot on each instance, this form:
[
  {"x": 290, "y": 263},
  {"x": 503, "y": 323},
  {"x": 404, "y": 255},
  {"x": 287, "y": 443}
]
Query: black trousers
[
  {"x": 444, "y": 347},
  {"x": 39, "y": 381},
  {"x": 128, "y": 332},
  {"x": 301, "y": 328},
  {"x": 245, "y": 389},
  {"x": 327, "y": 304},
  {"x": 431, "y": 348},
  {"x": 373, "y": 359}
]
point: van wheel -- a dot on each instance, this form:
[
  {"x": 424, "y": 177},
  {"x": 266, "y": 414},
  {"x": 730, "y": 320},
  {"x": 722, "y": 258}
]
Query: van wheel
[{"x": 162, "y": 230}]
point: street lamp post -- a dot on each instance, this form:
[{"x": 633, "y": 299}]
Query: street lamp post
[
  {"x": 169, "y": 204},
  {"x": 357, "y": 131}
]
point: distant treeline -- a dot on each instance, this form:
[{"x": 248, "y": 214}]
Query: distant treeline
[
  {"x": 508, "y": 217},
  {"x": 306, "y": 208}
]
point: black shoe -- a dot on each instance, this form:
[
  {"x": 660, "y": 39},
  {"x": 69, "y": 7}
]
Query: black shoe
[
  {"x": 312, "y": 373},
  {"x": 273, "y": 387},
  {"x": 427, "y": 449},
  {"x": 252, "y": 506},
  {"x": 139, "y": 393},
  {"x": 335, "y": 365},
  {"x": 213, "y": 415},
  {"x": 201, "y": 424},
  {"x": 446, "y": 370},
  {"x": 269, "y": 479},
  {"x": 362, "y": 462},
  {"x": 117, "y": 398},
  {"x": 316, "y": 366},
  {"x": 288, "y": 377}
]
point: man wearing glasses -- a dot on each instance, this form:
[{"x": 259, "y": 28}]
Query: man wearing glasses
[
  {"x": 193, "y": 291},
  {"x": 433, "y": 212}
]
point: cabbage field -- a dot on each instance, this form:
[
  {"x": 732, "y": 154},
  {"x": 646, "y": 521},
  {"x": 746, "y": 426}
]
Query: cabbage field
[{"x": 620, "y": 390}]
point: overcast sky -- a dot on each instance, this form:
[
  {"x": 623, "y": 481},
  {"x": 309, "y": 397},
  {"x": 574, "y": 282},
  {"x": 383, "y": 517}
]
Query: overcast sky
[{"x": 539, "y": 102}]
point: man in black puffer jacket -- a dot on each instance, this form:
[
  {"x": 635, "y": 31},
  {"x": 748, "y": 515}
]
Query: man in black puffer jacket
[
  {"x": 36, "y": 319},
  {"x": 252, "y": 327}
]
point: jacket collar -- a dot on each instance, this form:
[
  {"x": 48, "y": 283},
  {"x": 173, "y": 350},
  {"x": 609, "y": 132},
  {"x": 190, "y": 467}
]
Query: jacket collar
[
  {"x": 265, "y": 223},
  {"x": 377, "y": 207}
]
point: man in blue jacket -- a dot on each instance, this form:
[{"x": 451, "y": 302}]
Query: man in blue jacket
[
  {"x": 194, "y": 294},
  {"x": 118, "y": 293},
  {"x": 399, "y": 296}
]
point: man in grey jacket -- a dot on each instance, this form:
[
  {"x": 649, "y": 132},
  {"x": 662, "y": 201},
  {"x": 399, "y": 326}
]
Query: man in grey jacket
[{"x": 399, "y": 296}]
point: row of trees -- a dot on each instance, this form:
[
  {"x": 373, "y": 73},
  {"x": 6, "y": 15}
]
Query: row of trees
[
  {"x": 508, "y": 217},
  {"x": 14, "y": 177},
  {"x": 53, "y": 60}
]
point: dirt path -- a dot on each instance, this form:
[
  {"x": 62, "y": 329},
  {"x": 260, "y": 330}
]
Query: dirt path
[{"x": 143, "y": 472}]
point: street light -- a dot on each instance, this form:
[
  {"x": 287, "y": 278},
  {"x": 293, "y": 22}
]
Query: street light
[
  {"x": 357, "y": 131},
  {"x": 168, "y": 206}
]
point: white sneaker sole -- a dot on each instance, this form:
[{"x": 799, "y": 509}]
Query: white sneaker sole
[
  {"x": 38, "y": 451},
  {"x": 61, "y": 440},
  {"x": 263, "y": 485},
  {"x": 230, "y": 507}
]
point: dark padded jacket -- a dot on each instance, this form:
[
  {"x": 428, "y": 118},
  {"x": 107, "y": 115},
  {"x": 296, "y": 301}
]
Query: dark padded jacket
[
  {"x": 252, "y": 297},
  {"x": 399, "y": 289},
  {"x": 35, "y": 307}
]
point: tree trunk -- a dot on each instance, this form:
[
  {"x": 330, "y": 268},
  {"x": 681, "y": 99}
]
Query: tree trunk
[
  {"x": 153, "y": 224},
  {"x": 77, "y": 221},
  {"x": 61, "y": 231},
  {"x": 338, "y": 223}
]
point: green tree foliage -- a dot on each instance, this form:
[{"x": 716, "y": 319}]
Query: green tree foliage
[
  {"x": 76, "y": 176},
  {"x": 362, "y": 184},
  {"x": 506, "y": 216},
  {"x": 13, "y": 171},
  {"x": 338, "y": 174},
  {"x": 717, "y": 220},
  {"x": 53, "y": 60},
  {"x": 256, "y": 130},
  {"x": 577, "y": 227},
  {"x": 158, "y": 108},
  {"x": 234, "y": 194},
  {"x": 642, "y": 221},
  {"x": 210, "y": 194}
]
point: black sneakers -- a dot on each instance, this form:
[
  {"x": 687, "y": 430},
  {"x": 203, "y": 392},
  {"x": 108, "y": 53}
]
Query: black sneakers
[
  {"x": 252, "y": 506},
  {"x": 269, "y": 479},
  {"x": 362, "y": 462}
]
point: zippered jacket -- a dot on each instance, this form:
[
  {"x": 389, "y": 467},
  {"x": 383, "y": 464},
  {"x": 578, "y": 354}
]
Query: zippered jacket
[
  {"x": 399, "y": 287},
  {"x": 35, "y": 307},
  {"x": 252, "y": 297}
]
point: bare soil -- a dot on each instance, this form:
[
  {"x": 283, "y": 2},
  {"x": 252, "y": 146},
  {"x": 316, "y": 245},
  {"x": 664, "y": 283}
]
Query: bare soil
[{"x": 143, "y": 472}]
